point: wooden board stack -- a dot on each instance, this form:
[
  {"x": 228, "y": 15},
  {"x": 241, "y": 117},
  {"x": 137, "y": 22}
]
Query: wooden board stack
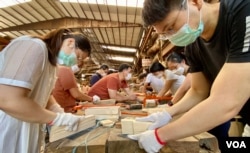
[
  {"x": 106, "y": 102},
  {"x": 131, "y": 126},
  {"x": 108, "y": 112},
  {"x": 59, "y": 132}
]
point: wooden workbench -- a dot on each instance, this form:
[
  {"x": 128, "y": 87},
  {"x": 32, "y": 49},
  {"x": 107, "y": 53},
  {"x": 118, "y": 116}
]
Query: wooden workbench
[{"x": 109, "y": 141}]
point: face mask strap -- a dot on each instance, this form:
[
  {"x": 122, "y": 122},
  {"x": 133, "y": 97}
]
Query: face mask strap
[
  {"x": 183, "y": 3},
  {"x": 188, "y": 11}
]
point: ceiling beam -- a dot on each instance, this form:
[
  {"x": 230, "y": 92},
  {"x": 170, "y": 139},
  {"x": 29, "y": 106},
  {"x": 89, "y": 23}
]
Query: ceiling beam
[
  {"x": 146, "y": 38},
  {"x": 69, "y": 23}
]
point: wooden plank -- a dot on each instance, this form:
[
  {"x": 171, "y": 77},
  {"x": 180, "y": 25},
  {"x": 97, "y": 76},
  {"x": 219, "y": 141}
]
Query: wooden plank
[
  {"x": 186, "y": 145},
  {"x": 208, "y": 142},
  {"x": 59, "y": 132},
  {"x": 96, "y": 143},
  {"x": 108, "y": 112},
  {"x": 118, "y": 144},
  {"x": 131, "y": 126},
  {"x": 106, "y": 102}
]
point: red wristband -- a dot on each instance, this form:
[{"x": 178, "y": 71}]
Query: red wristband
[{"x": 158, "y": 138}]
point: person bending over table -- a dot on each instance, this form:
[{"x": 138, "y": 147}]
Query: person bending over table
[{"x": 109, "y": 86}]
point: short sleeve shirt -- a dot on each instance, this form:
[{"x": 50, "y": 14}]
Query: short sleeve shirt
[
  {"x": 23, "y": 67},
  {"x": 110, "y": 81},
  {"x": 156, "y": 83},
  {"x": 65, "y": 82},
  {"x": 229, "y": 44}
]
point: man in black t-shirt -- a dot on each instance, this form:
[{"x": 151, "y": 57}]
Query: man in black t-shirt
[
  {"x": 103, "y": 71},
  {"x": 217, "y": 40}
]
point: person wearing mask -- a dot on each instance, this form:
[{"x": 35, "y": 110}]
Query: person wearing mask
[
  {"x": 140, "y": 82},
  {"x": 27, "y": 77},
  {"x": 66, "y": 91},
  {"x": 108, "y": 87},
  {"x": 217, "y": 43},
  {"x": 103, "y": 71},
  {"x": 155, "y": 78},
  {"x": 174, "y": 75}
]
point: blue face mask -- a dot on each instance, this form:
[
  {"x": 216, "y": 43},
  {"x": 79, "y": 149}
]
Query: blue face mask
[
  {"x": 186, "y": 35},
  {"x": 67, "y": 60}
]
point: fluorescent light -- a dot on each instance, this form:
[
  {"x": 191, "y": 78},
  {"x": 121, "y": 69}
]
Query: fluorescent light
[
  {"x": 6, "y": 3},
  {"x": 123, "y": 49},
  {"x": 128, "y": 3},
  {"x": 123, "y": 59}
]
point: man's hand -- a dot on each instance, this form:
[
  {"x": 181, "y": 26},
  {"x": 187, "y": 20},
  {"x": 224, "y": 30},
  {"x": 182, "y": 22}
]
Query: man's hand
[
  {"x": 149, "y": 141},
  {"x": 159, "y": 119},
  {"x": 132, "y": 97},
  {"x": 67, "y": 119},
  {"x": 96, "y": 99}
]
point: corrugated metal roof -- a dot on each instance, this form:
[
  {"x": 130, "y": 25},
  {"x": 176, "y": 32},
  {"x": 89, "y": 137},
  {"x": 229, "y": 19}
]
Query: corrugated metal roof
[{"x": 105, "y": 25}]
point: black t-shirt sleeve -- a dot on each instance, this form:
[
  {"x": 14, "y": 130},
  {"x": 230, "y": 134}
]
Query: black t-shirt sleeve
[
  {"x": 193, "y": 61},
  {"x": 239, "y": 47}
]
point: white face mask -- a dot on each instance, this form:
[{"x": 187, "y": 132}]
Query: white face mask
[
  {"x": 75, "y": 68},
  {"x": 128, "y": 77},
  {"x": 159, "y": 75},
  {"x": 179, "y": 71},
  {"x": 186, "y": 35}
]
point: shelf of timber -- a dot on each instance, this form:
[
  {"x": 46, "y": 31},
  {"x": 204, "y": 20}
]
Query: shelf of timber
[{"x": 108, "y": 140}]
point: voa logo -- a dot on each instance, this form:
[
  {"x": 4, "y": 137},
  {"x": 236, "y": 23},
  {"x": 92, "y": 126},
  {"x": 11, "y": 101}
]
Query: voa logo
[{"x": 236, "y": 144}]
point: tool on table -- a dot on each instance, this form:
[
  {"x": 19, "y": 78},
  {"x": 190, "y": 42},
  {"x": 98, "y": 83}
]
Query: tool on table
[
  {"x": 59, "y": 132},
  {"x": 135, "y": 106},
  {"x": 151, "y": 101}
]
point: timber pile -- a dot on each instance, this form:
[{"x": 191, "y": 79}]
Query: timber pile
[
  {"x": 57, "y": 132},
  {"x": 110, "y": 112}
]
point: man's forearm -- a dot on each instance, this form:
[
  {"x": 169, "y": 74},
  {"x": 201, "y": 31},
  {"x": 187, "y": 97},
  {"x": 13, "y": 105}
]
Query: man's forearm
[{"x": 201, "y": 118}]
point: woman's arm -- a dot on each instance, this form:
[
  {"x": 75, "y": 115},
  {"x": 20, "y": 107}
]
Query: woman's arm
[{"x": 15, "y": 102}]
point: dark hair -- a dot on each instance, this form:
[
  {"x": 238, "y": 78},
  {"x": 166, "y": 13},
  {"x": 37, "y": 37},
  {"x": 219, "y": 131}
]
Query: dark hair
[
  {"x": 174, "y": 57},
  {"x": 156, "y": 10},
  {"x": 142, "y": 75},
  {"x": 104, "y": 67},
  {"x": 155, "y": 67},
  {"x": 124, "y": 66},
  {"x": 82, "y": 42}
]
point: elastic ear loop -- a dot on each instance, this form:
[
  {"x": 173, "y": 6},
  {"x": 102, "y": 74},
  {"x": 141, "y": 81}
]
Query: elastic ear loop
[{"x": 182, "y": 5}]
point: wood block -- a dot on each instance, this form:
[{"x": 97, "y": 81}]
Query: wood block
[
  {"x": 117, "y": 144},
  {"x": 208, "y": 142},
  {"x": 127, "y": 126},
  {"x": 108, "y": 112},
  {"x": 106, "y": 102},
  {"x": 59, "y": 132},
  {"x": 140, "y": 127},
  {"x": 131, "y": 126},
  {"x": 96, "y": 144},
  {"x": 107, "y": 117}
]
